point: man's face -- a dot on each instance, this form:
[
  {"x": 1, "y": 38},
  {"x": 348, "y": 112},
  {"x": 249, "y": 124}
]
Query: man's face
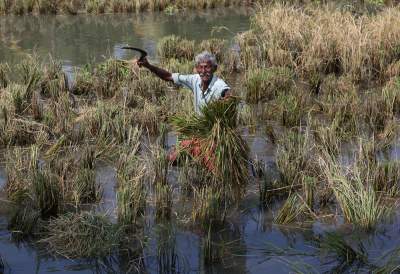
[{"x": 205, "y": 70}]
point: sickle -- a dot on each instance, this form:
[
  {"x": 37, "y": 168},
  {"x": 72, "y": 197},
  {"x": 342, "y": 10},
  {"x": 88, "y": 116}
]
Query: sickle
[{"x": 143, "y": 53}]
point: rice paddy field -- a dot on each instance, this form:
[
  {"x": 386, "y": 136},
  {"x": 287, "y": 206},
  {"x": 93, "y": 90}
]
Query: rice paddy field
[{"x": 305, "y": 173}]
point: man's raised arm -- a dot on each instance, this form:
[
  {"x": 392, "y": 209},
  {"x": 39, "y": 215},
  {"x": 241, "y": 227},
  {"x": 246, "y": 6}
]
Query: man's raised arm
[{"x": 161, "y": 73}]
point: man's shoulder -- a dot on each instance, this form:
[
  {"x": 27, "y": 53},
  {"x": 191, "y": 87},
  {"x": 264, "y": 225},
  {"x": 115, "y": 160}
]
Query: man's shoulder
[{"x": 221, "y": 84}]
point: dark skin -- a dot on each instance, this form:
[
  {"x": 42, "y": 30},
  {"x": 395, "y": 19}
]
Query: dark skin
[{"x": 204, "y": 69}]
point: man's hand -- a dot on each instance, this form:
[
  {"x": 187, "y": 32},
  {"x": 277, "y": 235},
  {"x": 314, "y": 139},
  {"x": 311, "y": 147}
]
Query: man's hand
[
  {"x": 143, "y": 62},
  {"x": 226, "y": 94}
]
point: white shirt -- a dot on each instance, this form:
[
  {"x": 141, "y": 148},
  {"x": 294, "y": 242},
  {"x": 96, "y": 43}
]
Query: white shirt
[{"x": 193, "y": 82}]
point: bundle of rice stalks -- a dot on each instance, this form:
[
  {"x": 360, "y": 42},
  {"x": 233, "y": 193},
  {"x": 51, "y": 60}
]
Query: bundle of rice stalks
[
  {"x": 222, "y": 148},
  {"x": 84, "y": 81},
  {"x": 360, "y": 204},
  {"x": 18, "y": 97},
  {"x": 131, "y": 192},
  {"x": 378, "y": 111},
  {"x": 54, "y": 81},
  {"x": 110, "y": 124},
  {"x": 215, "y": 46},
  {"x": 96, "y": 6},
  {"x": 32, "y": 185},
  {"x": 21, "y": 165},
  {"x": 386, "y": 178},
  {"x": 266, "y": 84},
  {"x": 290, "y": 109},
  {"x": 82, "y": 235},
  {"x": 176, "y": 47},
  {"x": 295, "y": 158},
  {"x": 23, "y": 221},
  {"x": 30, "y": 72},
  {"x": 4, "y": 70},
  {"x": 326, "y": 138},
  {"x": 158, "y": 164},
  {"x": 209, "y": 206},
  {"x": 163, "y": 199},
  {"x": 46, "y": 192},
  {"x": 291, "y": 209},
  {"x": 342, "y": 110},
  {"x": 183, "y": 66},
  {"x": 391, "y": 94},
  {"x": 109, "y": 77},
  {"x": 85, "y": 188},
  {"x": 142, "y": 83}
]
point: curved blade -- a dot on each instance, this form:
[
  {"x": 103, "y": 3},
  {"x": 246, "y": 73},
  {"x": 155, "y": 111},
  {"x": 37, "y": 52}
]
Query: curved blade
[{"x": 143, "y": 53}]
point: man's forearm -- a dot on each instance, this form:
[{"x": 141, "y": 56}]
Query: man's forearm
[{"x": 162, "y": 73}]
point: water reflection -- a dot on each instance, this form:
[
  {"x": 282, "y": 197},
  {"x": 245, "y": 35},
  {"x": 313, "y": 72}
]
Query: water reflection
[{"x": 77, "y": 40}]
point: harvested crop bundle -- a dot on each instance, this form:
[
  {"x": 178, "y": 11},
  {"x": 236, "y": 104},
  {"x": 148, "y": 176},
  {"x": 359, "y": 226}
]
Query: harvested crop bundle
[{"x": 212, "y": 139}]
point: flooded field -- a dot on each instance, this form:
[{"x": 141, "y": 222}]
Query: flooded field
[{"x": 86, "y": 186}]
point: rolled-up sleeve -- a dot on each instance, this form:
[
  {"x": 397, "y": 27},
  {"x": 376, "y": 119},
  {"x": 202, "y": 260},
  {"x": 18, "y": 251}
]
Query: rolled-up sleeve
[
  {"x": 183, "y": 80},
  {"x": 220, "y": 88}
]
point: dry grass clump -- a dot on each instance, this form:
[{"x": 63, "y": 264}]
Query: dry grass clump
[
  {"x": 289, "y": 109},
  {"x": 158, "y": 164},
  {"x": 342, "y": 111},
  {"x": 23, "y": 221},
  {"x": 378, "y": 111},
  {"x": 82, "y": 235},
  {"x": 183, "y": 66},
  {"x": 54, "y": 81},
  {"x": 176, "y": 47},
  {"x": 141, "y": 83},
  {"x": 355, "y": 195},
  {"x": 292, "y": 209},
  {"x": 131, "y": 190},
  {"x": 104, "y": 80},
  {"x": 393, "y": 70},
  {"x": 209, "y": 206},
  {"x": 215, "y": 46},
  {"x": 31, "y": 185},
  {"x": 21, "y": 165},
  {"x": 148, "y": 117},
  {"x": 109, "y": 76},
  {"x": 323, "y": 40},
  {"x": 85, "y": 189},
  {"x": 110, "y": 124},
  {"x": 266, "y": 84},
  {"x": 327, "y": 137},
  {"x": 163, "y": 200},
  {"x": 4, "y": 75},
  {"x": 83, "y": 81},
  {"x": 295, "y": 158},
  {"x": 391, "y": 95},
  {"x": 47, "y": 184}
]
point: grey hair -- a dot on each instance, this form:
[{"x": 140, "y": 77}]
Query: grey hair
[{"x": 205, "y": 56}]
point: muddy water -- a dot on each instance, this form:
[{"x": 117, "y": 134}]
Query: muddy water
[
  {"x": 77, "y": 40},
  {"x": 249, "y": 242}
]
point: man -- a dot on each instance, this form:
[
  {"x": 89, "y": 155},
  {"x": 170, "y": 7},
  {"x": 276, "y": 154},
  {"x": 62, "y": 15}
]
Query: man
[{"x": 206, "y": 87}]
